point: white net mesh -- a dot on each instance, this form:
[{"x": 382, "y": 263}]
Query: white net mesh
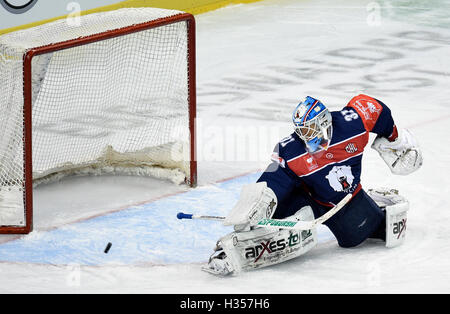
[{"x": 116, "y": 105}]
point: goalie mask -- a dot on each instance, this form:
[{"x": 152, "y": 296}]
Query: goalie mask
[{"x": 312, "y": 123}]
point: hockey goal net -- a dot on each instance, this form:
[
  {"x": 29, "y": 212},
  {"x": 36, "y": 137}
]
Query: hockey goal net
[{"x": 114, "y": 93}]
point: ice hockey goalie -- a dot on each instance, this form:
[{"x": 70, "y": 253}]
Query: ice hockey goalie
[{"x": 312, "y": 170}]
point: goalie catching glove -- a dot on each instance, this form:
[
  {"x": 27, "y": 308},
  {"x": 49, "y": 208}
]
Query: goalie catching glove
[{"x": 403, "y": 156}]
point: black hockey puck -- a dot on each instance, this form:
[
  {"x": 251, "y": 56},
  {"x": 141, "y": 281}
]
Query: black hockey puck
[{"x": 108, "y": 246}]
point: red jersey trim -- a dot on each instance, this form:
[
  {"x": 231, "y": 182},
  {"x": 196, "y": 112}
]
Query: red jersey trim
[
  {"x": 307, "y": 164},
  {"x": 394, "y": 134}
]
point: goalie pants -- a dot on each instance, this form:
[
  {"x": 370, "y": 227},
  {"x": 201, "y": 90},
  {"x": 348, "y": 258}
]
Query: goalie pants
[{"x": 357, "y": 221}]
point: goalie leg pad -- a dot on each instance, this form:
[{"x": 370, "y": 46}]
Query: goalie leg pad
[
  {"x": 396, "y": 217},
  {"x": 260, "y": 247},
  {"x": 396, "y": 208}
]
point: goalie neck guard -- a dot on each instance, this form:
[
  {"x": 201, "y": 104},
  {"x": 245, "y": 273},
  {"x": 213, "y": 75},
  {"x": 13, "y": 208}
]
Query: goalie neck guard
[{"x": 312, "y": 123}]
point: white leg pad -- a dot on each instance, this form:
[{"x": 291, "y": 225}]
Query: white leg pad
[
  {"x": 261, "y": 247},
  {"x": 396, "y": 207},
  {"x": 396, "y": 217}
]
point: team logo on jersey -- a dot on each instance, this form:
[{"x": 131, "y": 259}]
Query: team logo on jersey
[
  {"x": 329, "y": 156},
  {"x": 310, "y": 162},
  {"x": 372, "y": 108},
  {"x": 369, "y": 110},
  {"x": 351, "y": 148},
  {"x": 364, "y": 109},
  {"x": 340, "y": 178}
]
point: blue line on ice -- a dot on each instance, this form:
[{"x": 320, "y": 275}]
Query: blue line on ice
[{"x": 148, "y": 233}]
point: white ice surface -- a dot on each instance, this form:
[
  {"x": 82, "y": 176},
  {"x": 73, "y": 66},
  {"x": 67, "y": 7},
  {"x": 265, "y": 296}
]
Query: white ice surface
[{"x": 255, "y": 62}]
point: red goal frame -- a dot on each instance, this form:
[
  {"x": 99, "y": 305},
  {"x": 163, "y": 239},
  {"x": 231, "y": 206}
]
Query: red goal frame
[{"x": 27, "y": 109}]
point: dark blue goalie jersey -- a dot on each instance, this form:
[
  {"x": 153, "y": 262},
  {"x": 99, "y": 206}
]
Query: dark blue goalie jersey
[{"x": 330, "y": 175}]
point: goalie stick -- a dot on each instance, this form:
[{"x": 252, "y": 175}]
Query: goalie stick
[{"x": 281, "y": 223}]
